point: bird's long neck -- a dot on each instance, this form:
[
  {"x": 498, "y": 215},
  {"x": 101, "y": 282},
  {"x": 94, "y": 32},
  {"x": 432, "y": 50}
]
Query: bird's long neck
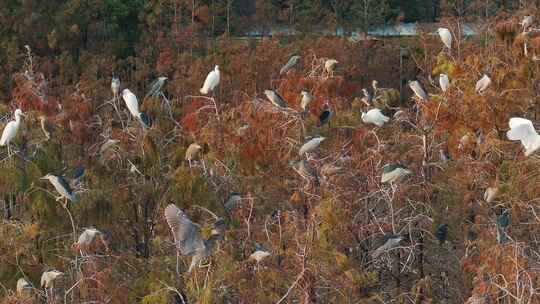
[{"x": 17, "y": 119}]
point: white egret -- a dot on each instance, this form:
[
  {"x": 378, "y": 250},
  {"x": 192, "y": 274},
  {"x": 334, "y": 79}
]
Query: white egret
[
  {"x": 115, "y": 86},
  {"x": 444, "y": 82},
  {"x": 445, "y": 36},
  {"x": 311, "y": 145},
  {"x": 375, "y": 116},
  {"x": 211, "y": 81},
  {"x": 290, "y": 64},
  {"x": 523, "y": 130},
  {"x": 86, "y": 238},
  {"x": 133, "y": 106},
  {"x": 259, "y": 254},
  {"x": 10, "y": 131},
  {"x": 49, "y": 277},
  {"x": 418, "y": 90},
  {"x": 482, "y": 84}
]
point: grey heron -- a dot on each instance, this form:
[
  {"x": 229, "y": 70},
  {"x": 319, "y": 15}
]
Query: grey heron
[
  {"x": 188, "y": 238},
  {"x": 290, "y": 64}
]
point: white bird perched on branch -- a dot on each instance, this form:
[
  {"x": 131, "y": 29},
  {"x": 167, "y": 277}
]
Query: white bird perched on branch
[
  {"x": 482, "y": 84},
  {"x": 49, "y": 277},
  {"x": 11, "y": 129},
  {"x": 375, "y": 116},
  {"x": 115, "y": 86},
  {"x": 86, "y": 238},
  {"x": 259, "y": 254},
  {"x": 526, "y": 22},
  {"x": 62, "y": 187},
  {"x": 490, "y": 194},
  {"x": 394, "y": 172},
  {"x": 307, "y": 99},
  {"x": 211, "y": 81},
  {"x": 329, "y": 66},
  {"x": 391, "y": 241},
  {"x": 276, "y": 99},
  {"x": 418, "y": 90},
  {"x": 290, "y": 64},
  {"x": 446, "y": 36},
  {"x": 133, "y": 106},
  {"x": 444, "y": 82},
  {"x": 24, "y": 288},
  {"x": 187, "y": 235},
  {"x": 523, "y": 130},
  {"x": 311, "y": 145}
]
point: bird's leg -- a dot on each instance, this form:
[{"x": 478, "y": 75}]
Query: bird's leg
[
  {"x": 189, "y": 161},
  {"x": 177, "y": 263}
]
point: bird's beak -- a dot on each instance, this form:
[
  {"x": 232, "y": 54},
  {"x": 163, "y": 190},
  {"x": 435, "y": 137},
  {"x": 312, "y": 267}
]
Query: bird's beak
[{"x": 44, "y": 177}]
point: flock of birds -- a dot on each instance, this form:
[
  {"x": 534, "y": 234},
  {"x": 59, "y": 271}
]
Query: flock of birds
[{"x": 187, "y": 235}]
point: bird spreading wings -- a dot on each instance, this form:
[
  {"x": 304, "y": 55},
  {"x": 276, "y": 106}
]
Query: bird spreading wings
[
  {"x": 187, "y": 234},
  {"x": 523, "y": 130}
]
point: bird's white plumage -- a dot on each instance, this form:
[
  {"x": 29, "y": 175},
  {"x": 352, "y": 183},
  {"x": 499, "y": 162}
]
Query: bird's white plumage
[
  {"x": 482, "y": 84},
  {"x": 61, "y": 188},
  {"x": 418, "y": 90},
  {"x": 310, "y": 145},
  {"x": 24, "y": 288},
  {"x": 88, "y": 236},
  {"x": 48, "y": 278},
  {"x": 10, "y": 131},
  {"x": 490, "y": 194},
  {"x": 131, "y": 102},
  {"x": 211, "y": 81},
  {"x": 115, "y": 86},
  {"x": 330, "y": 65},
  {"x": 526, "y": 22},
  {"x": 523, "y": 130},
  {"x": 375, "y": 116},
  {"x": 444, "y": 82},
  {"x": 307, "y": 98},
  {"x": 446, "y": 36},
  {"x": 259, "y": 255}
]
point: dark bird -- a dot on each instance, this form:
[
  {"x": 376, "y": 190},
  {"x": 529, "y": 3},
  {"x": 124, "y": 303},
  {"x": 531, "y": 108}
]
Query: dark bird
[
  {"x": 442, "y": 233},
  {"x": 325, "y": 115},
  {"x": 391, "y": 241},
  {"x": 276, "y": 99},
  {"x": 233, "y": 201},
  {"x": 503, "y": 222}
]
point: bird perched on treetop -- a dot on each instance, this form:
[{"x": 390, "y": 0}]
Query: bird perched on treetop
[
  {"x": 375, "y": 116},
  {"x": 418, "y": 90},
  {"x": 211, "y": 81},
  {"x": 11, "y": 129},
  {"x": 311, "y": 145},
  {"x": 523, "y": 130},
  {"x": 276, "y": 99},
  {"x": 133, "y": 106},
  {"x": 290, "y": 64},
  {"x": 187, "y": 235},
  {"x": 444, "y": 82},
  {"x": 394, "y": 172},
  {"x": 155, "y": 87},
  {"x": 62, "y": 187},
  {"x": 445, "y": 36},
  {"x": 307, "y": 99}
]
